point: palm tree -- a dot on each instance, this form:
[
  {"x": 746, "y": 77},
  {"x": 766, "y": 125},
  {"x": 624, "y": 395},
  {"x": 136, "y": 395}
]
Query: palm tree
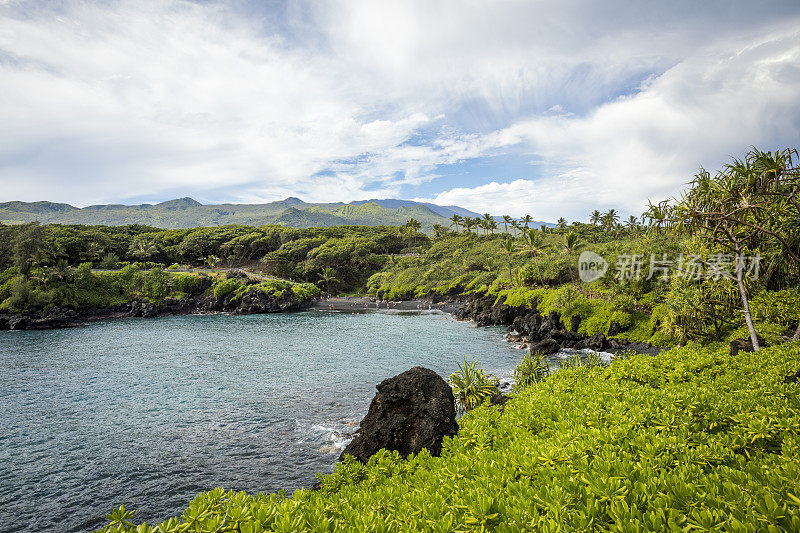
[
  {"x": 610, "y": 219},
  {"x": 534, "y": 245},
  {"x": 632, "y": 224},
  {"x": 469, "y": 223},
  {"x": 571, "y": 243},
  {"x": 439, "y": 231},
  {"x": 562, "y": 223},
  {"x": 457, "y": 220},
  {"x": 526, "y": 220},
  {"x": 142, "y": 249},
  {"x": 508, "y": 246},
  {"x": 411, "y": 227},
  {"x": 596, "y": 217},
  {"x": 327, "y": 276},
  {"x": 515, "y": 226},
  {"x": 487, "y": 218},
  {"x": 506, "y": 221},
  {"x": 492, "y": 224}
]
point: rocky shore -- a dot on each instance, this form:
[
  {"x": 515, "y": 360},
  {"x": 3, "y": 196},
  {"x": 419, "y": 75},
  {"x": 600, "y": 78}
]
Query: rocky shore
[
  {"x": 546, "y": 334},
  {"x": 251, "y": 302}
]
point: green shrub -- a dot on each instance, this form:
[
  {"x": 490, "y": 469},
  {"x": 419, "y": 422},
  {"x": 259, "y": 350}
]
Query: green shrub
[
  {"x": 223, "y": 287},
  {"x": 471, "y": 385},
  {"x": 531, "y": 370}
]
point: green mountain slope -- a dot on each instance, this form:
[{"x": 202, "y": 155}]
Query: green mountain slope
[{"x": 188, "y": 213}]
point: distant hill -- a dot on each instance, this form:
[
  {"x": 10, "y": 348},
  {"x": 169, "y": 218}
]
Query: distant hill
[{"x": 187, "y": 213}]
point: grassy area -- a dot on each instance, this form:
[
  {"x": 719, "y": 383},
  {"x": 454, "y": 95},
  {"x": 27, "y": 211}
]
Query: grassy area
[{"x": 692, "y": 439}]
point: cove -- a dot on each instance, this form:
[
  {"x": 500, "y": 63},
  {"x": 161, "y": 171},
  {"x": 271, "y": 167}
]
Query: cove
[{"x": 148, "y": 413}]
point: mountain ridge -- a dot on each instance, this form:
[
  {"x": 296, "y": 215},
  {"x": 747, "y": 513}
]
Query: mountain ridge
[{"x": 187, "y": 212}]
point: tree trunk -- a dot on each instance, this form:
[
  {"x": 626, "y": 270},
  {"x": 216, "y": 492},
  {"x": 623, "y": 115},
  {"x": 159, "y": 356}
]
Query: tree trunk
[
  {"x": 797, "y": 334},
  {"x": 746, "y": 310},
  {"x": 536, "y": 259}
]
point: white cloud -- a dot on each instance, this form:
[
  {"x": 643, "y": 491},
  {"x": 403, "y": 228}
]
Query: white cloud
[
  {"x": 647, "y": 146},
  {"x": 105, "y": 101}
]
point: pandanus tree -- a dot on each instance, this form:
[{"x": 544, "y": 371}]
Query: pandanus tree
[
  {"x": 509, "y": 246},
  {"x": 753, "y": 203},
  {"x": 657, "y": 215},
  {"x": 533, "y": 244}
]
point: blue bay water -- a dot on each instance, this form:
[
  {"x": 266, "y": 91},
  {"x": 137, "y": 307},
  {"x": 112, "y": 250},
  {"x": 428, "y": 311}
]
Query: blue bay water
[{"x": 148, "y": 413}]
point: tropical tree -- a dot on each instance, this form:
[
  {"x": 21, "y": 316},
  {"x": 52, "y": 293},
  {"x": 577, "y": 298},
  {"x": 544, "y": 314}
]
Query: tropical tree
[
  {"x": 506, "y": 221},
  {"x": 509, "y": 246},
  {"x": 410, "y": 228},
  {"x": 457, "y": 220},
  {"x": 562, "y": 223},
  {"x": 143, "y": 249},
  {"x": 469, "y": 223},
  {"x": 752, "y": 204},
  {"x": 533, "y": 244},
  {"x": 658, "y": 215},
  {"x": 610, "y": 219},
  {"x": 439, "y": 231},
  {"x": 492, "y": 225},
  {"x": 515, "y": 227},
  {"x": 526, "y": 220},
  {"x": 471, "y": 385},
  {"x": 571, "y": 243},
  {"x": 328, "y": 276},
  {"x": 487, "y": 219},
  {"x": 596, "y": 217},
  {"x": 632, "y": 224}
]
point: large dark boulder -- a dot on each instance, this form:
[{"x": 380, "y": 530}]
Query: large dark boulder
[
  {"x": 411, "y": 411},
  {"x": 546, "y": 347}
]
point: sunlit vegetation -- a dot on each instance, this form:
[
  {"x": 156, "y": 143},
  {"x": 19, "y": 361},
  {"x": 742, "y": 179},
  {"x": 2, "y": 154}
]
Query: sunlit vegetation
[
  {"x": 89, "y": 266},
  {"x": 692, "y": 439}
]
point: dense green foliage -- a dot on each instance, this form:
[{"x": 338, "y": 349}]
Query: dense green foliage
[
  {"x": 47, "y": 266},
  {"x": 690, "y": 440}
]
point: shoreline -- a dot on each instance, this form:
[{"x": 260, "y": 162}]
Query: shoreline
[
  {"x": 59, "y": 318},
  {"x": 364, "y": 304}
]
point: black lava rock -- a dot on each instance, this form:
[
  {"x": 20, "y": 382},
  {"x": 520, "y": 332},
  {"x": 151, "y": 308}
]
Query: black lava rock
[
  {"x": 411, "y": 411},
  {"x": 745, "y": 345}
]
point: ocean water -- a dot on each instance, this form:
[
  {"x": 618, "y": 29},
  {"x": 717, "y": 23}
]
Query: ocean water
[{"x": 148, "y": 413}]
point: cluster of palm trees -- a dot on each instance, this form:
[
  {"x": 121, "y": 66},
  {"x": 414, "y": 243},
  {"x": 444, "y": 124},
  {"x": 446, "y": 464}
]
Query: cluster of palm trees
[
  {"x": 531, "y": 243},
  {"x": 489, "y": 224},
  {"x": 610, "y": 221}
]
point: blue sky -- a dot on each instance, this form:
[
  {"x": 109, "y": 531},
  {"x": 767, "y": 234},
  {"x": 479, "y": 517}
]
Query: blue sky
[{"x": 549, "y": 108}]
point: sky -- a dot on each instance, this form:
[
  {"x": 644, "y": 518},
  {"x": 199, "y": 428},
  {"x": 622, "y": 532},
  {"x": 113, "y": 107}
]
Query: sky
[{"x": 548, "y": 108}]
